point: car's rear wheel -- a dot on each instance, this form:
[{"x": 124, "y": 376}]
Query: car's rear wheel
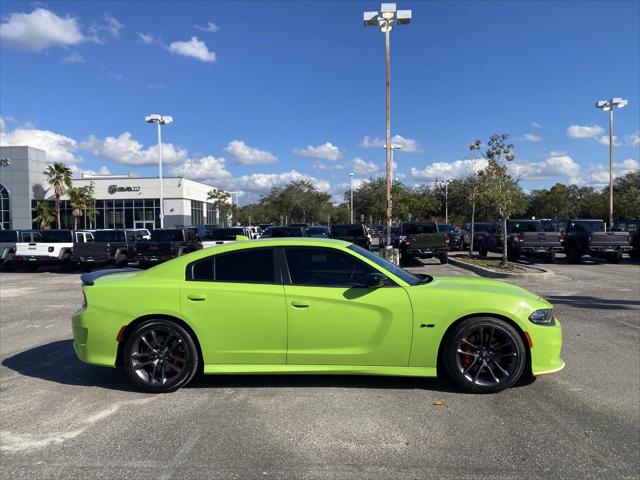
[
  {"x": 484, "y": 355},
  {"x": 550, "y": 258},
  {"x": 444, "y": 258},
  {"x": 573, "y": 254},
  {"x": 614, "y": 258},
  {"x": 160, "y": 356}
]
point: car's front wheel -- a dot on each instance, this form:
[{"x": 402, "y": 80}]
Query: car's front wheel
[
  {"x": 160, "y": 356},
  {"x": 484, "y": 355}
]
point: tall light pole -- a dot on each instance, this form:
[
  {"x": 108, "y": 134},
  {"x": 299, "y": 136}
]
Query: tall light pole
[
  {"x": 609, "y": 105},
  {"x": 446, "y": 197},
  {"x": 385, "y": 20},
  {"x": 351, "y": 191},
  {"x": 160, "y": 120}
]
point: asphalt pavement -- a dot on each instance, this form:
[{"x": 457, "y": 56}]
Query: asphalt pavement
[{"x": 60, "y": 418}]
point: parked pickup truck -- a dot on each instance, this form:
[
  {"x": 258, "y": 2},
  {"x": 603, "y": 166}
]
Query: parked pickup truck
[
  {"x": 108, "y": 247},
  {"x": 525, "y": 238},
  {"x": 587, "y": 237},
  {"x": 355, "y": 233},
  {"x": 423, "y": 240},
  {"x": 167, "y": 243},
  {"x": 8, "y": 241},
  {"x": 53, "y": 247},
  {"x": 219, "y": 236},
  {"x": 631, "y": 226}
]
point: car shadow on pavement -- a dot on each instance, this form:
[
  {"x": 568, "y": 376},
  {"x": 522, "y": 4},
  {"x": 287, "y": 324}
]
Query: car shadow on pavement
[
  {"x": 57, "y": 362},
  {"x": 578, "y": 301}
]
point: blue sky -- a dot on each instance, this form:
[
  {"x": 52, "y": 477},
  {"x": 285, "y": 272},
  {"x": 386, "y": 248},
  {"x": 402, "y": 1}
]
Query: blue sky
[{"x": 265, "y": 92}]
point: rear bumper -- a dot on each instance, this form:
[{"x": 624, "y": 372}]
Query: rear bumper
[
  {"x": 94, "y": 341},
  {"x": 36, "y": 259},
  {"x": 424, "y": 252},
  {"x": 541, "y": 250},
  {"x": 610, "y": 248}
]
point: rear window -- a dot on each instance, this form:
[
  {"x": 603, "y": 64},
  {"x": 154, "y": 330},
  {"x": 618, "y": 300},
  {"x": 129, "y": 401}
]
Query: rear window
[
  {"x": 223, "y": 233},
  {"x": 625, "y": 227},
  {"x": 587, "y": 226},
  {"x": 418, "y": 228},
  {"x": 522, "y": 227},
  {"x": 56, "y": 236},
  {"x": 167, "y": 236},
  {"x": 108, "y": 236},
  {"x": 347, "y": 231},
  {"x": 8, "y": 235},
  {"x": 443, "y": 227},
  {"x": 244, "y": 266}
]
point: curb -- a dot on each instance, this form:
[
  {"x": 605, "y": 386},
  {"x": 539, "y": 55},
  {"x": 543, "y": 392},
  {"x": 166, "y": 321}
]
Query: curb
[{"x": 543, "y": 274}]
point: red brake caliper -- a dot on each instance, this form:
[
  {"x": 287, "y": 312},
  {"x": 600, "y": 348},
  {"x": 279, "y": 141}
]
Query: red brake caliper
[{"x": 466, "y": 359}]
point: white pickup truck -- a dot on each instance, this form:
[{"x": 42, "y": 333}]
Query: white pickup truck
[{"x": 53, "y": 247}]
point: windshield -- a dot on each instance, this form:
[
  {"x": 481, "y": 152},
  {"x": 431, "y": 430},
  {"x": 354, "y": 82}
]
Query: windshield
[
  {"x": 223, "y": 234},
  {"x": 587, "y": 226},
  {"x": 347, "y": 231},
  {"x": 166, "y": 235},
  {"x": 387, "y": 265}
]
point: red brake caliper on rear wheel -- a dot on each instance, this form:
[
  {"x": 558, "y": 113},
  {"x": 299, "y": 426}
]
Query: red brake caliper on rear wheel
[{"x": 466, "y": 359}]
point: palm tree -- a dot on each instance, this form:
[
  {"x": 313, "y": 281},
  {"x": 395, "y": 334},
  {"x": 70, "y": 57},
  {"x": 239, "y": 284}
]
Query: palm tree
[
  {"x": 44, "y": 215},
  {"x": 59, "y": 177},
  {"x": 77, "y": 201}
]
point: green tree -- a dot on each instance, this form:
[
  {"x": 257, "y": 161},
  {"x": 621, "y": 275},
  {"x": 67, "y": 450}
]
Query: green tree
[
  {"x": 498, "y": 189},
  {"x": 44, "y": 215},
  {"x": 59, "y": 177},
  {"x": 81, "y": 200},
  {"x": 222, "y": 203}
]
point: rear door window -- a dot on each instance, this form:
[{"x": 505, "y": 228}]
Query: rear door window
[{"x": 255, "y": 265}]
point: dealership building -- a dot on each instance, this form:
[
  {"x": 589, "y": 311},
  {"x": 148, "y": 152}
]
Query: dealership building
[{"x": 122, "y": 201}]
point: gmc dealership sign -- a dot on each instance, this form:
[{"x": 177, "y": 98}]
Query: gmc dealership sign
[{"x": 117, "y": 189}]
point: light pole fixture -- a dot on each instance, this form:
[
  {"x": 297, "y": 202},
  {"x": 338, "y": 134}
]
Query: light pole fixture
[
  {"x": 446, "y": 197},
  {"x": 351, "y": 191},
  {"x": 160, "y": 120},
  {"x": 394, "y": 146},
  {"x": 386, "y": 19},
  {"x": 609, "y": 106}
]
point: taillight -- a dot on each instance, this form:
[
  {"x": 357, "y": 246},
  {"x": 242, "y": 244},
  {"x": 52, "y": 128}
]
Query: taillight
[
  {"x": 521, "y": 239},
  {"x": 108, "y": 248},
  {"x": 561, "y": 238},
  {"x": 446, "y": 239},
  {"x": 50, "y": 249}
]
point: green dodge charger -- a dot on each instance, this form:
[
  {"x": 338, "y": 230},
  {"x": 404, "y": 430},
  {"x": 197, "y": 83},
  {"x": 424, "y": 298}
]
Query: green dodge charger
[{"x": 307, "y": 305}]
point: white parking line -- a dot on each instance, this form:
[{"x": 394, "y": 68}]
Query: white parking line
[{"x": 629, "y": 324}]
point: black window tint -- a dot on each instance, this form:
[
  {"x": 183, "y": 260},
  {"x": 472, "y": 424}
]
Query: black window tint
[
  {"x": 251, "y": 265},
  {"x": 57, "y": 236},
  {"x": 8, "y": 236},
  {"x": 202, "y": 270},
  {"x": 419, "y": 228},
  {"x": 325, "y": 267},
  {"x": 167, "y": 236}
]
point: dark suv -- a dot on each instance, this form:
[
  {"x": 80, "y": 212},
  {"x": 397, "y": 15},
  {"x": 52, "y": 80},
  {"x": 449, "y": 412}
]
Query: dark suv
[{"x": 354, "y": 233}]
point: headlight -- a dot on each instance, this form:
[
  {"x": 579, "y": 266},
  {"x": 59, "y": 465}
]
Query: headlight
[{"x": 543, "y": 317}]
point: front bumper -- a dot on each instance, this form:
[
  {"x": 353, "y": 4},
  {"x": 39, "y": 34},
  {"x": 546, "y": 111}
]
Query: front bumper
[{"x": 547, "y": 348}]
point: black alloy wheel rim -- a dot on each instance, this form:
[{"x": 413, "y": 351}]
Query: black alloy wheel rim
[
  {"x": 487, "y": 356},
  {"x": 159, "y": 356}
]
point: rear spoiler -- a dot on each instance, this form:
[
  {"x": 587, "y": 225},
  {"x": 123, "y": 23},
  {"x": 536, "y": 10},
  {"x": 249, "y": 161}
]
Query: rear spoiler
[{"x": 90, "y": 277}]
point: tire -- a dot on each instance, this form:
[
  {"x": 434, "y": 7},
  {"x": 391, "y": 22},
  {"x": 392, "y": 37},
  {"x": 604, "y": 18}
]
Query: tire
[
  {"x": 573, "y": 254},
  {"x": 153, "y": 342},
  {"x": 31, "y": 267},
  {"x": 550, "y": 258},
  {"x": 122, "y": 261},
  {"x": 85, "y": 267},
  {"x": 404, "y": 260},
  {"x": 444, "y": 258},
  {"x": 482, "y": 251},
  {"x": 509, "y": 359},
  {"x": 65, "y": 265},
  {"x": 614, "y": 258},
  {"x": 512, "y": 256},
  {"x": 8, "y": 266}
]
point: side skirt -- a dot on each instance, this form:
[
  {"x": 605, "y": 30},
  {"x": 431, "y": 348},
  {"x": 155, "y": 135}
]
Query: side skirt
[{"x": 246, "y": 369}]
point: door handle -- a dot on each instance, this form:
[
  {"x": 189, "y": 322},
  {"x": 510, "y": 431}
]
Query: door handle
[
  {"x": 197, "y": 298},
  {"x": 300, "y": 304}
]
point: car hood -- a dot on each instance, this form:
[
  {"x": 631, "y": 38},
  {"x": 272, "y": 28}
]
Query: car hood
[{"x": 485, "y": 285}]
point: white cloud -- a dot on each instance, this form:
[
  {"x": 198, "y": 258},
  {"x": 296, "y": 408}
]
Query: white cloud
[
  {"x": 363, "y": 167},
  {"x": 535, "y": 125},
  {"x": 39, "y": 30},
  {"x": 193, "y": 48},
  {"x": 318, "y": 165},
  {"x": 246, "y": 155},
  {"x": 124, "y": 149},
  {"x": 327, "y": 150},
  {"x": 532, "y": 137},
  {"x": 92, "y": 173},
  {"x": 633, "y": 139},
  {"x": 448, "y": 170},
  {"x": 604, "y": 140},
  {"x": 556, "y": 165},
  {"x": 210, "y": 27},
  {"x": 73, "y": 57},
  {"x": 3, "y": 125},
  {"x": 205, "y": 168},
  {"x": 111, "y": 27},
  {"x": 584, "y": 131},
  {"x": 146, "y": 38},
  {"x": 408, "y": 145},
  {"x": 58, "y": 148},
  {"x": 597, "y": 176}
]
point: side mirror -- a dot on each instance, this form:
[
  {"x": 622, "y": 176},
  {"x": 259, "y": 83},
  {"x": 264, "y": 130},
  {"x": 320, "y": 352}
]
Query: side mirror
[{"x": 376, "y": 280}]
